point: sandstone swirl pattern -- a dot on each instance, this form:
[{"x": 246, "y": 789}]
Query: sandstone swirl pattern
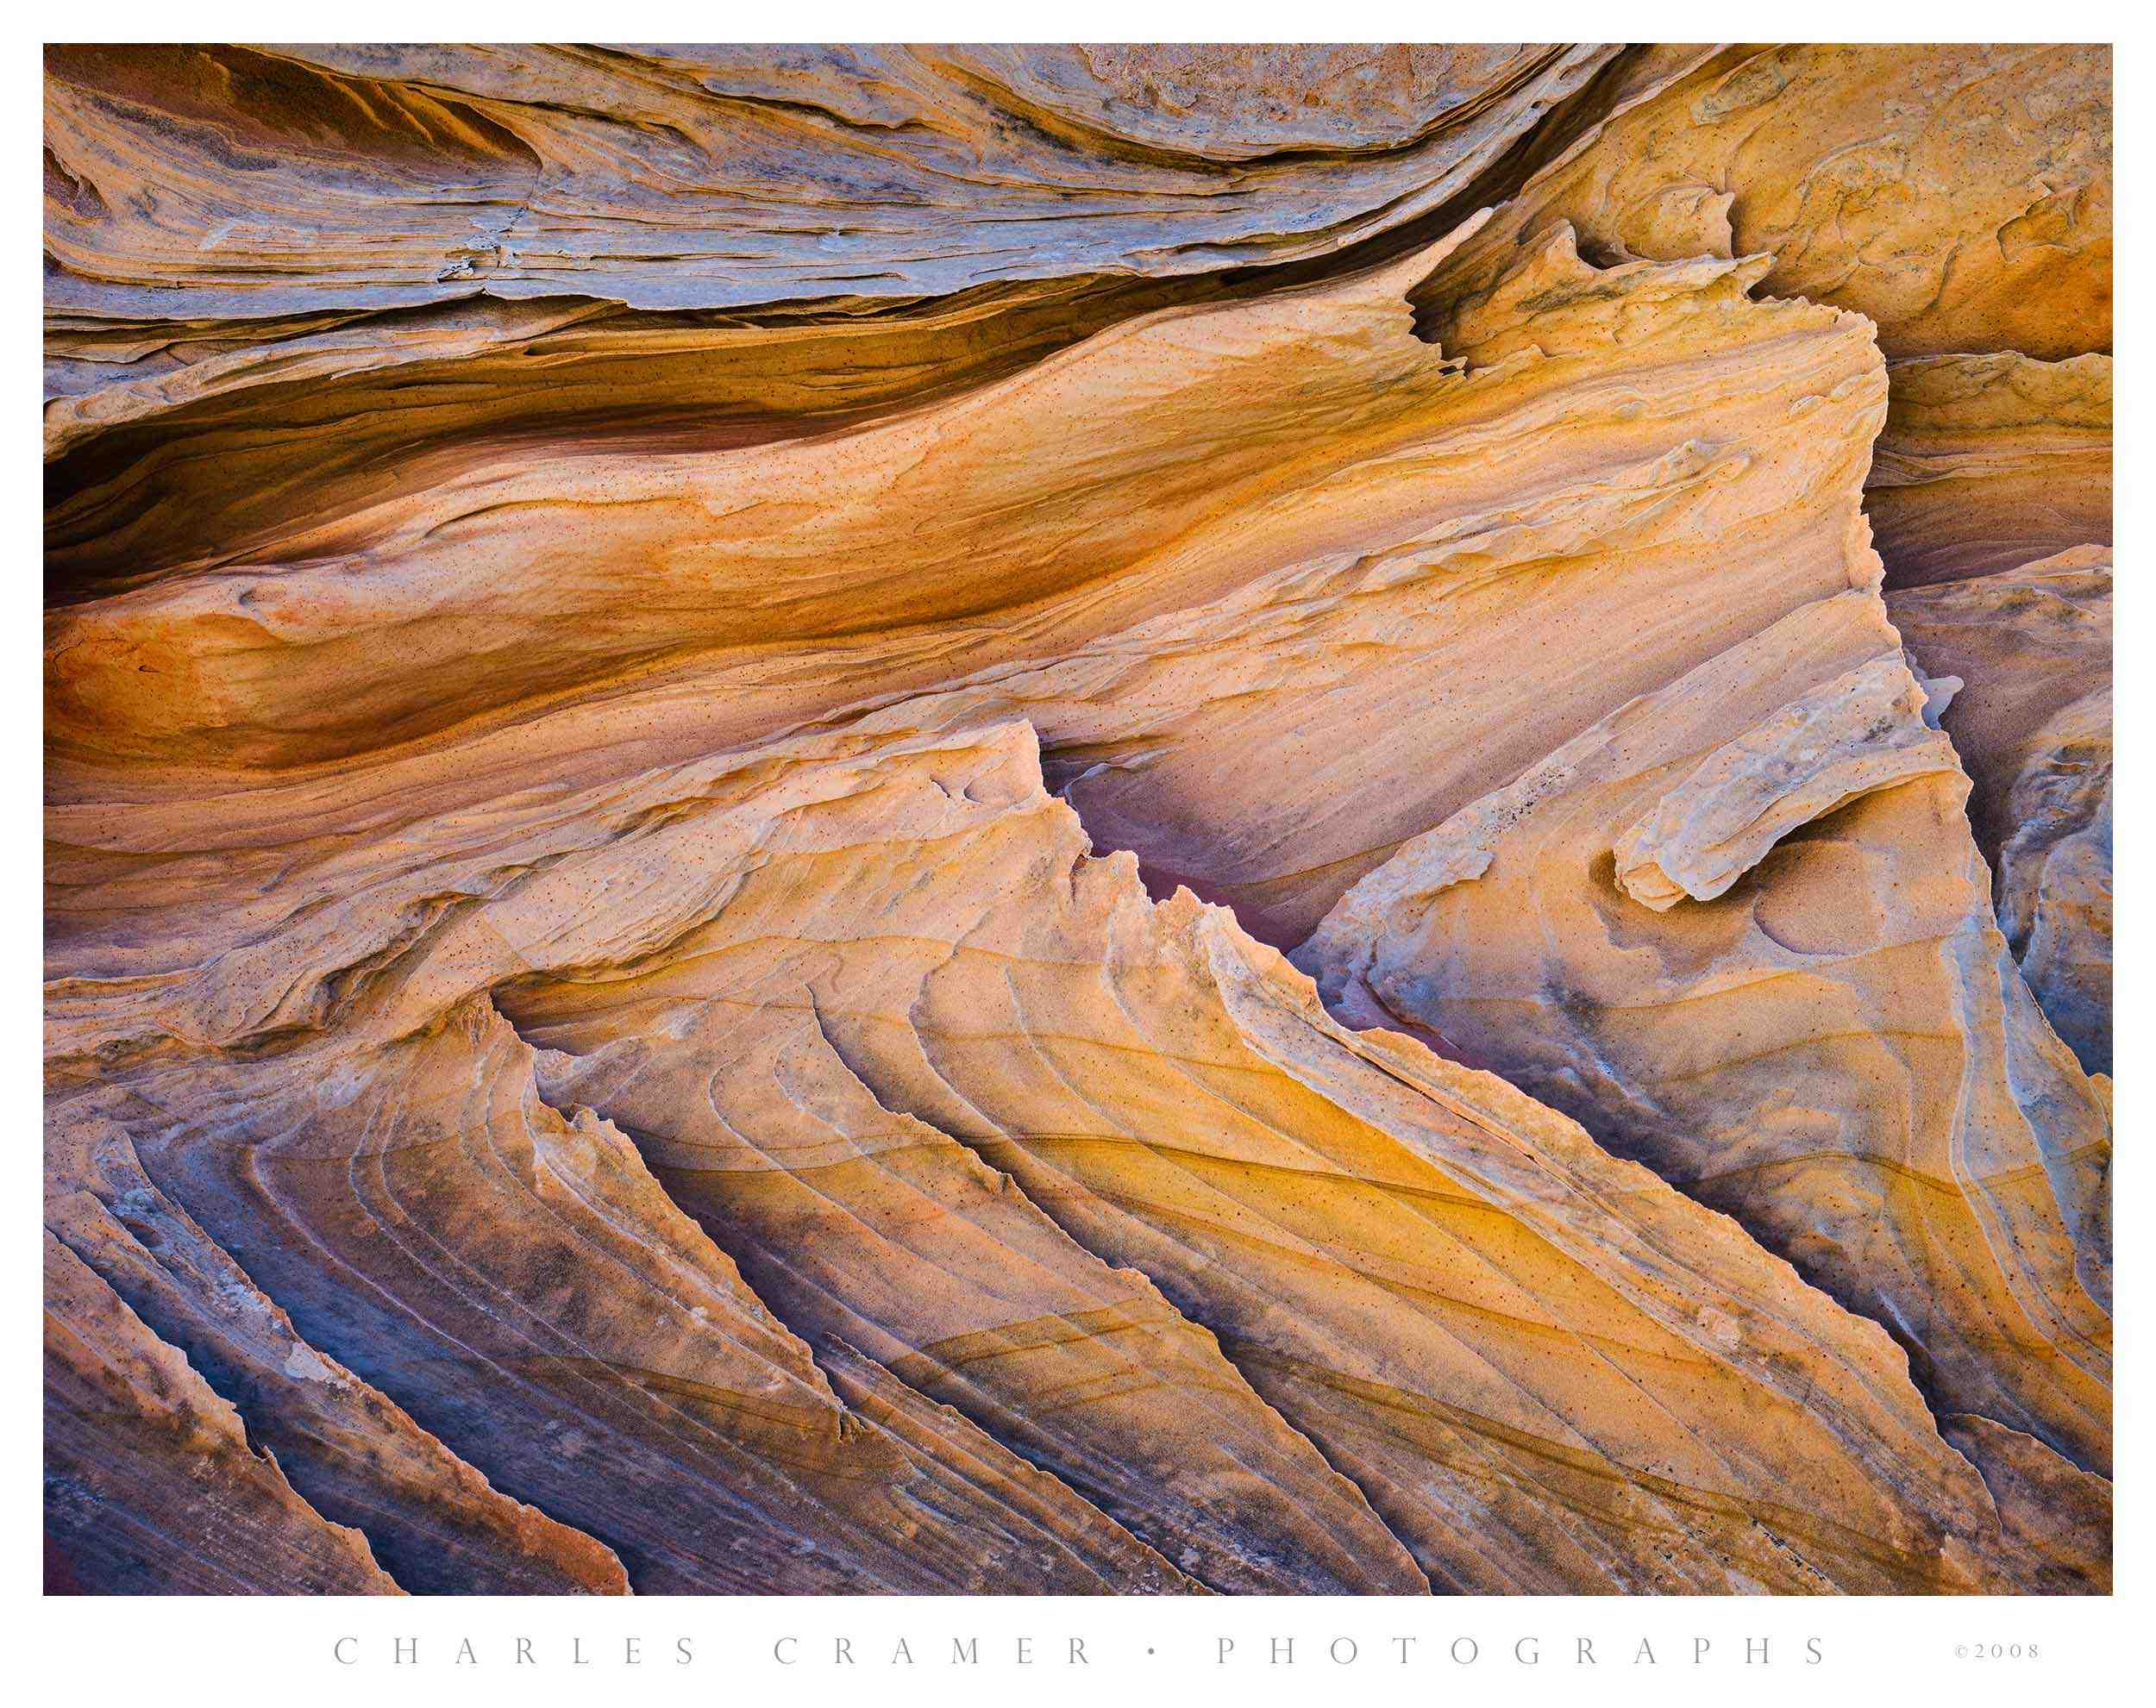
[{"x": 1052, "y": 820}]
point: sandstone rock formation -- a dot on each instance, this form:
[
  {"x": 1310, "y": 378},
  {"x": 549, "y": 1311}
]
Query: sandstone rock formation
[
  {"x": 1990, "y": 462},
  {"x": 705, "y": 177},
  {"x": 358, "y": 1457},
  {"x": 150, "y": 1483},
  {"x": 691, "y": 695},
  {"x": 1749, "y": 929},
  {"x": 2031, "y": 650},
  {"x": 418, "y": 247},
  {"x": 1958, "y": 195}
]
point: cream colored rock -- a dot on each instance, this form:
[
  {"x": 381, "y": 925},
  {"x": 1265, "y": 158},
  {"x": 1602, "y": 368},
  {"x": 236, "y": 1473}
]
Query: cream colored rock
[
  {"x": 1850, "y": 736},
  {"x": 1836, "y": 1049},
  {"x": 1447, "y": 1287}
]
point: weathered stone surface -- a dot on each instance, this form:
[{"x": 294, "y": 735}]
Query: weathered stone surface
[
  {"x": 322, "y": 176},
  {"x": 1377, "y": 1239},
  {"x": 1353, "y": 1216},
  {"x": 1374, "y": 530},
  {"x": 521, "y": 1287},
  {"x": 1764, "y": 1035},
  {"x": 151, "y": 1486},
  {"x": 404, "y": 254},
  {"x": 1958, "y": 195},
  {"x": 2031, "y": 649},
  {"x": 2060, "y": 1516},
  {"x": 1848, "y": 736},
  {"x": 432, "y": 1519}
]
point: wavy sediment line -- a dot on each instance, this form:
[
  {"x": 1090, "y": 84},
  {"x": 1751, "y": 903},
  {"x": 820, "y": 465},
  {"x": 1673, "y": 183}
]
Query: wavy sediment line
[
  {"x": 421, "y": 1271},
  {"x": 430, "y": 1518},
  {"x": 857, "y": 1221}
]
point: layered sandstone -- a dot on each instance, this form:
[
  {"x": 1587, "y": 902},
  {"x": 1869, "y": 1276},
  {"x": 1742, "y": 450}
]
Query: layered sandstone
[
  {"x": 1366, "y": 523},
  {"x": 690, "y": 694},
  {"x": 150, "y": 1483},
  {"x": 1987, "y": 463},
  {"x": 417, "y": 249},
  {"x": 706, "y": 176},
  {"x": 1958, "y": 195},
  {"x": 1756, "y": 929},
  {"x": 755, "y": 992}
]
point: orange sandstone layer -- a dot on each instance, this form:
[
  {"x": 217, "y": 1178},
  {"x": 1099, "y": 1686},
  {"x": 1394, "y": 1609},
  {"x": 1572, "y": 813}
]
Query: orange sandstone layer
[{"x": 1381, "y": 530}]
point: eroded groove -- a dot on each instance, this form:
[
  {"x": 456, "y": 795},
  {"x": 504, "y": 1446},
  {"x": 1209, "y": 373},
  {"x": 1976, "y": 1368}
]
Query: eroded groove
[
  {"x": 151, "y": 1486},
  {"x": 433, "y": 1521}
]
